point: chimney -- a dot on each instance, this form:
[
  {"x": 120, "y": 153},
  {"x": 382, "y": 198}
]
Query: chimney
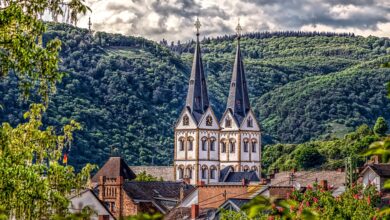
[
  {"x": 244, "y": 182},
  {"x": 375, "y": 159},
  {"x": 201, "y": 183},
  {"x": 194, "y": 211},
  {"x": 102, "y": 180},
  {"x": 324, "y": 184},
  {"x": 181, "y": 196}
]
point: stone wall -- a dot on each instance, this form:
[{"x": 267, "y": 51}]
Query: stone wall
[{"x": 166, "y": 172}]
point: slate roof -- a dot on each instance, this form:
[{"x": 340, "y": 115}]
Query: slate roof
[
  {"x": 239, "y": 202},
  {"x": 157, "y": 192},
  {"x": 224, "y": 172},
  {"x": 114, "y": 167},
  {"x": 227, "y": 175},
  {"x": 238, "y": 176},
  {"x": 197, "y": 97},
  {"x": 383, "y": 170},
  {"x": 238, "y": 100},
  {"x": 156, "y": 189}
]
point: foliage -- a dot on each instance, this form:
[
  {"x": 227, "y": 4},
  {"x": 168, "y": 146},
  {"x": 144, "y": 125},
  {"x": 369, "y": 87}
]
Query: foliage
[
  {"x": 314, "y": 203},
  {"x": 381, "y": 126},
  {"x": 146, "y": 216},
  {"x": 34, "y": 64},
  {"x": 329, "y": 154},
  {"x": 127, "y": 92},
  {"x": 308, "y": 157},
  {"x": 145, "y": 177},
  {"x": 33, "y": 185}
]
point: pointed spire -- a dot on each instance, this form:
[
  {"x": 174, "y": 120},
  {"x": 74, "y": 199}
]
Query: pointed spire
[
  {"x": 89, "y": 25},
  {"x": 238, "y": 100},
  {"x": 197, "y": 97}
]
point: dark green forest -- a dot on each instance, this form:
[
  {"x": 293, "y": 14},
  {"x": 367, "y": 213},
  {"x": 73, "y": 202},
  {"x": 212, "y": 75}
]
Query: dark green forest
[{"x": 128, "y": 91}]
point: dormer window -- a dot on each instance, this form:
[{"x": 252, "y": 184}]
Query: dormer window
[
  {"x": 186, "y": 120},
  {"x": 228, "y": 123},
  {"x": 250, "y": 122},
  {"x": 209, "y": 120}
]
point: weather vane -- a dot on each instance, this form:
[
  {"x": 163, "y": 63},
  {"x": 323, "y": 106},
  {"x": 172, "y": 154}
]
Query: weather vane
[
  {"x": 238, "y": 28},
  {"x": 197, "y": 26}
]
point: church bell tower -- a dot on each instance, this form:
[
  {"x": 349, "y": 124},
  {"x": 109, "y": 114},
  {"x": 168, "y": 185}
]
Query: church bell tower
[
  {"x": 240, "y": 145},
  {"x": 197, "y": 129}
]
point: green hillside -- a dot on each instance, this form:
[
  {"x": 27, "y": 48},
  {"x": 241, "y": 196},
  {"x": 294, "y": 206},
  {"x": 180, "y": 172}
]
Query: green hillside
[{"x": 127, "y": 92}]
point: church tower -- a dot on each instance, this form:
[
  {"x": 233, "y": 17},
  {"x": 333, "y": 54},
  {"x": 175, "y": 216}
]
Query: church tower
[
  {"x": 197, "y": 129},
  {"x": 240, "y": 145}
]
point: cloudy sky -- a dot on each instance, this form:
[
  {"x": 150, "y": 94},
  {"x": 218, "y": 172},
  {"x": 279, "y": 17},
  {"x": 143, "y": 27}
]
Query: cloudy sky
[{"x": 174, "y": 19}]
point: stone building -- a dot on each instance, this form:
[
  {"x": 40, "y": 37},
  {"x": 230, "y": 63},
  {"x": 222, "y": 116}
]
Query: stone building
[
  {"x": 123, "y": 196},
  {"x": 205, "y": 145}
]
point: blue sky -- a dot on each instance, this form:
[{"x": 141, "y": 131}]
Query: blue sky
[{"x": 173, "y": 19}]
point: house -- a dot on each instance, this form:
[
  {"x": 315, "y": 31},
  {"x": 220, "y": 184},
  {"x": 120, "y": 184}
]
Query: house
[
  {"x": 375, "y": 174},
  {"x": 87, "y": 198},
  {"x": 115, "y": 186}
]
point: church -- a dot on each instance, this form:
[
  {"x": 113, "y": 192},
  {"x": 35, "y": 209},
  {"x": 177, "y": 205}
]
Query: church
[{"x": 206, "y": 148}]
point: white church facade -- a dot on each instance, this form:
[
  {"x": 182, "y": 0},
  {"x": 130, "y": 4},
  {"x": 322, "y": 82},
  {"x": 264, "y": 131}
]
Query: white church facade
[{"x": 206, "y": 148}]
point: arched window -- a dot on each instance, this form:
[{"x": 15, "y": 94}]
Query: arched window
[
  {"x": 250, "y": 122},
  {"x": 209, "y": 120},
  {"x": 212, "y": 144},
  {"x": 232, "y": 147},
  {"x": 254, "y": 146},
  {"x": 190, "y": 144},
  {"x": 204, "y": 144},
  {"x": 246, "y": 145},
  {"x": 181, "y": 173},
  {"x": 204, "y": 173},
  {"x": 189, "y": 172},
  {"x": 181, "y": 144},
  {"x": 246, "y": 168},
  {"x": 186, "y": 120},
  {"x": 213, "y": 171},
  {"x": 223, "y": 147}
]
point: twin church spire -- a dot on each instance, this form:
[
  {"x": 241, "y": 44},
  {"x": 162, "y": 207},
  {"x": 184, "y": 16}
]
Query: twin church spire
[{"x": 197, "y": 97}]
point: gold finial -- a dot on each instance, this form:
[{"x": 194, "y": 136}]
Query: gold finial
[
  {"x": 238, "y": 28},
  {"x": 197, "y": 26}
]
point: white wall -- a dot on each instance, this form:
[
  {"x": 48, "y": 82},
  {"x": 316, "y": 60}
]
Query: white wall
[{"x": 88, "y": 199}]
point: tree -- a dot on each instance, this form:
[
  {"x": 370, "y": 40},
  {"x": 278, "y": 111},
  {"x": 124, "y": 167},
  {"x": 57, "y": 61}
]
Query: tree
[
  {"x": 21, "y": 50},
  {"x": 144, "y": 177},
  {"x": 381, "y": 126},
  {"x": 33, "y": 183},
  {"x": 307, "y": 157}
]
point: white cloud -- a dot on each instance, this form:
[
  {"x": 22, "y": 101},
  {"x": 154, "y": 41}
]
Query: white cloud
[{"x": 173, "y": 19}]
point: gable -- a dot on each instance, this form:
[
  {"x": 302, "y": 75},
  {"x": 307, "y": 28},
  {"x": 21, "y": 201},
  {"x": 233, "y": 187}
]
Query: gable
[
  {"x": 250, "y": 117},
  {"x": 209, "y": 120},
  {"x": 223, "y": 123},
  {"x": 184, "y": 116}
]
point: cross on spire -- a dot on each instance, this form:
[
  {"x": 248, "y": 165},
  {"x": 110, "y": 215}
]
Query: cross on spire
[
  {"x": 89, "y": 24},
  {"x": 197, "y": 26}
]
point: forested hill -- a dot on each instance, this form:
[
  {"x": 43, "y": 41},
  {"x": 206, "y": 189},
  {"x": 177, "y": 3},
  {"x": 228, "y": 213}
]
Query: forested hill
[{"x": 127, "y": 92}]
